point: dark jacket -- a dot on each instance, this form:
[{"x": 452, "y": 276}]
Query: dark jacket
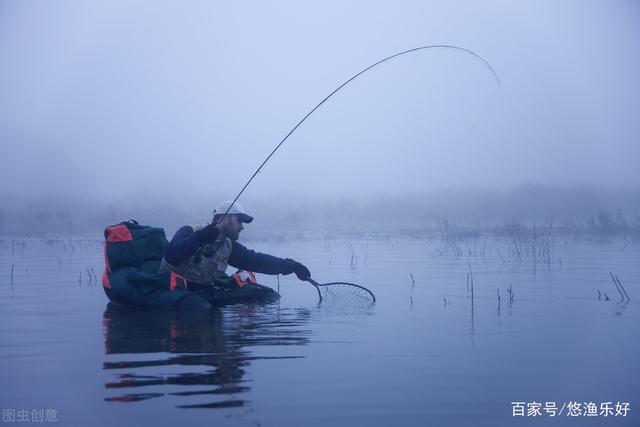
[{"x": 184, "y": 244}]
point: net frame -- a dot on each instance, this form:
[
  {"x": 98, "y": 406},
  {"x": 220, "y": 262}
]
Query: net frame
[{"x": 341, "y": 290}]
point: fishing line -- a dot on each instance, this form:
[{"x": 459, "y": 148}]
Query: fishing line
[
  {"x": 344, "y": 288},
  {"x": 355, "y": 76}
]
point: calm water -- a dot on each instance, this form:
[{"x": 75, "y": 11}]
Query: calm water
[{"x": 421, "y": 356}]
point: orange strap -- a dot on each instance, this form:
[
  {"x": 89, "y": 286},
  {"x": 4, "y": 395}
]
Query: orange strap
[
  {"x": 177, "y": 281},
  {"x": 106, "y": 283}
]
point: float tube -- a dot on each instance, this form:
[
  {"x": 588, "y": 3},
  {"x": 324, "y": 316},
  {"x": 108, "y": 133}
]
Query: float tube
[{"x": 133, "y": 253}]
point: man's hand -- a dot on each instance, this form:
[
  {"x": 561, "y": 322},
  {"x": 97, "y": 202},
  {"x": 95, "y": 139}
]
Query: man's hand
[
  {"x": 301, "y": 271},
  {"x": 208, "y": 234}
]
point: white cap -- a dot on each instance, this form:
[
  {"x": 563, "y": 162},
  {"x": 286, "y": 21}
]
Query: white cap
[{"x": 233, "y": 209}]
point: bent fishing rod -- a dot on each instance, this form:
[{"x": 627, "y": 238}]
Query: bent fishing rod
[
  {"x": 335, "y": 287},
  {"x": 352, "y": 78}
]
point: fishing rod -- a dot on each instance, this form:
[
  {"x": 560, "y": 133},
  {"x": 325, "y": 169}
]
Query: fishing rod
[
  {"x": 344, "y": 288},
  {"x": 355, "y": 76}
]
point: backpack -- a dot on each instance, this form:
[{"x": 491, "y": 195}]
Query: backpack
[{"x": 133, "y": 250}]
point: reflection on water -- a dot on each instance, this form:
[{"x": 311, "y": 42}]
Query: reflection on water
[
  {"x": 211, "y": 349},
  {"x": 437, "y": 348}
]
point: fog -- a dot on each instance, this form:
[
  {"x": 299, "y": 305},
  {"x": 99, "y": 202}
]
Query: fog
[{"x": 129, "y": 107}]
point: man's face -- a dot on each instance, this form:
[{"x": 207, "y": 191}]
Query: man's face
[{"x": 231, "y": 226}]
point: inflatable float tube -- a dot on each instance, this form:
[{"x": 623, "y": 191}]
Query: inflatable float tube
[
  {"x": 133, "y": 254},
  {"x": 140, "y": 289}
]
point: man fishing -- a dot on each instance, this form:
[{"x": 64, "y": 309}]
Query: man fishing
[
  {"x": 202, "y": 253},
  {"x": 199, "y": 255}
]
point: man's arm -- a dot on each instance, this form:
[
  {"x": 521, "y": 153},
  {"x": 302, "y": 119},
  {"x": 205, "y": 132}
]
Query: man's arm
[
  {"x": 246, "y": 259},
  {"x": 186, "y": 242},
  {"x": 183, "y": 244}
]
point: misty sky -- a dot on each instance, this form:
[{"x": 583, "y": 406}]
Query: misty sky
[{"x": 117, "y": 98}]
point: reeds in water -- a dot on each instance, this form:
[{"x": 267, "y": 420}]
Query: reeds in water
[{"x": 621, "y": 290}]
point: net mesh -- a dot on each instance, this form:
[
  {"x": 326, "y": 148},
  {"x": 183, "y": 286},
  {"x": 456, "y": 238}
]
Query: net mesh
[{"x": 345, "y": 292}]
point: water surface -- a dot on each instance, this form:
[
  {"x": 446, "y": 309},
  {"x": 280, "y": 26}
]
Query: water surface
[{"x": 426, "y": 353}]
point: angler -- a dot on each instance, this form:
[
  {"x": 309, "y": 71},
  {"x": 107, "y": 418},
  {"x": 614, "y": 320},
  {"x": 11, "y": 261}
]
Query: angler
[
  {"x": 202, "y": 253},
  {"x": 142, "y": 269}
]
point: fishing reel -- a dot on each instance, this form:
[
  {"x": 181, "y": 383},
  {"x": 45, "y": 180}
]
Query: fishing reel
[{"x": 207, "y": 251}]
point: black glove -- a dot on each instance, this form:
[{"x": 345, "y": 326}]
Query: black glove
[
  {"x": 208, "y": 234},
  {"x": 301, "y": 271}
]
